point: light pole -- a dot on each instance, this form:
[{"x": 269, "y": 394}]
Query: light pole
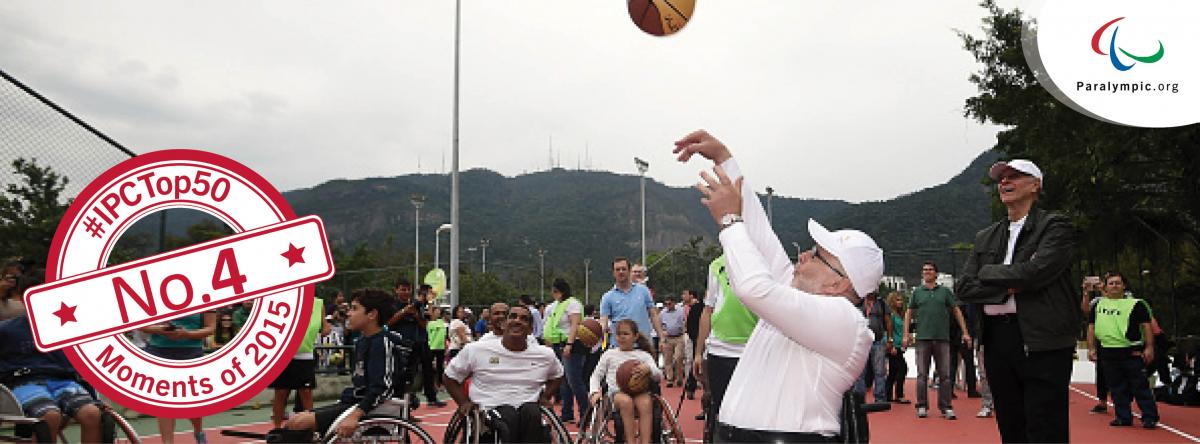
[
  {"x": 587, "y": 272},
  {"x": 642, "y": 166},
  {"x": 454, "y": 168},
  {"x": 417, "y": 201},
  {"x": 770, "y": 214},
  {"x": 437, "y": 248},
  {"x": 483, "y": 243},
  {"x": 542, "y": 271}
]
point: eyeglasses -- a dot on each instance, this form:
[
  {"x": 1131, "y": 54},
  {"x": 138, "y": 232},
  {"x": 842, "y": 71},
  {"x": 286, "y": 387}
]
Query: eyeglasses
[
  {"x": 526, "y": 318},
  {"x": 817, "y": 254}
]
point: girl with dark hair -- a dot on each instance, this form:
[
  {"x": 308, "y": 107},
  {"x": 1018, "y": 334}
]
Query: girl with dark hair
[
  {"x": 224, "y": 332},
  {"x": 606, "y": 370}
]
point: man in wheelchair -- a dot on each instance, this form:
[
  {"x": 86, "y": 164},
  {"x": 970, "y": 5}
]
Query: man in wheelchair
[
  {"x": 377, "y": 367},
  {"x": 509, "y": 378},
  {"x": 45, "y": 384}
]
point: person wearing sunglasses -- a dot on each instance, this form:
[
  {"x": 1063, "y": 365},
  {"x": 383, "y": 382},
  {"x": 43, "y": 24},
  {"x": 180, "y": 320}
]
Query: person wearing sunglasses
[
  {"x": 811, "y": 342},
  {"x": 509, "y": 376}
]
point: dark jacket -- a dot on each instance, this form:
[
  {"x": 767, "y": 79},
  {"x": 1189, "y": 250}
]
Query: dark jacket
[
  {"x": 19, "y": 358},
  {"x": 1047, "y": 304},
  {"x": 380, "y": 362}
]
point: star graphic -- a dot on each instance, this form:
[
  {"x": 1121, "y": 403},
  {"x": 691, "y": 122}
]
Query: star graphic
[
  {"x": 294, "y": 255},
  {"x": 66, "y": 314}
]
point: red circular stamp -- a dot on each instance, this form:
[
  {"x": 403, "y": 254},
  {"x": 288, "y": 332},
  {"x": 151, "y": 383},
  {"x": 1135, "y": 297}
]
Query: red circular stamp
[{"x": 273, "y": 259}]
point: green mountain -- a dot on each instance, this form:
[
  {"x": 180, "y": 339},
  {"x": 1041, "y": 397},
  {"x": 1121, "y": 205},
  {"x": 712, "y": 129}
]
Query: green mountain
[{"x": 574, "y": 215}]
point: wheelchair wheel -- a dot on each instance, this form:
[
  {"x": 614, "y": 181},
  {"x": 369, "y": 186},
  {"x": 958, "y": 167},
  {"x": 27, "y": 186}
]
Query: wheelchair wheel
[
  {"x": 670, "y": 430},
  {"x": 386, "y": 430},
  {"x": 594, "y": 424},
  {"x": 558, "y": 431},
  {"x": 463, "y": 429},
  {"x": 116, "y": 428}
]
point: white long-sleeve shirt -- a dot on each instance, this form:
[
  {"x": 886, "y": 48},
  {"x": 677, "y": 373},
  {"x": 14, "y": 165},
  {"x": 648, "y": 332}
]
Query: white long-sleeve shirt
[
  {"x": 806, "y": 350},
  {"x": 611, "y": 360}
]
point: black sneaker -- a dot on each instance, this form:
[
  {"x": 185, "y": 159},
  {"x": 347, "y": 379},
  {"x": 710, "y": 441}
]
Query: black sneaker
[
  {"x": 1100, "y": 408},
  {"x": 1120, "y": 423},
  {"x": 1149, "y": 424},
  {"x": 974, "y": 395},
  {"x": 436, "y": 403},
  {"x": 700, "y": 417}
]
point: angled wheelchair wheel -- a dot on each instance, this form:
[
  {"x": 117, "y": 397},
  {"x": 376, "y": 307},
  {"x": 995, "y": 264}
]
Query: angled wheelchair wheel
[
  {"x": 594, "y": 426},
  {"x": 385, "y": 430},
  {"x": 116, "y": 429},
  {"x": 464, "y": 429},
  {"x": 670, "y": 431},
  {"x": 558, "y": 431}
]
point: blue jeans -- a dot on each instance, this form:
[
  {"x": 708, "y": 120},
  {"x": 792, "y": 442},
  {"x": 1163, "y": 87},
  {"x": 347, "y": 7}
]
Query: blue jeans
[
  {"x": 574, "y": 386},
  {"x": 1127, "y": 382},
  {"x": 876, "y": 369}
]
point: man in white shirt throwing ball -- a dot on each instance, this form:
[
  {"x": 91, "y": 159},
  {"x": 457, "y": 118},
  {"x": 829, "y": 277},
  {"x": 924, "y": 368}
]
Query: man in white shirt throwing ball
[{"x": 811, "y": 343}]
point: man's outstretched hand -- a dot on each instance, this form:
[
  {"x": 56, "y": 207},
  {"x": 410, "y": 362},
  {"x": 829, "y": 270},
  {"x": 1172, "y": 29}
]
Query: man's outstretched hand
[
  {"x": 721, "y": 195},
  {"x": 702, "y": 143}
]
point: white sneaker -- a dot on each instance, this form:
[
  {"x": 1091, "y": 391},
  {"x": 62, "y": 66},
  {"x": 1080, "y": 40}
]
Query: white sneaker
[
  {"x": 984, "y": 412},
  {"x": 922, "y": 412},
  {"x": 949, "y": 414}
]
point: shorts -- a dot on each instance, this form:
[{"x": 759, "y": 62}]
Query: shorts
[
  {"x": 299, "y": 374},
  {"x": 40, "y": 396},
  {"x": 325, "y": 415},
  {"x": 175, "y": 353}
]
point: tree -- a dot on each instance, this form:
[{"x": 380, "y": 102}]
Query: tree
[
  {"x": 30, "y": 211},
  {"x": 1131, "y": 191}
]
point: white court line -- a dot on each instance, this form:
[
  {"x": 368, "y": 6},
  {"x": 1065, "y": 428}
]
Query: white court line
[{"x": 1160, "y": 424}]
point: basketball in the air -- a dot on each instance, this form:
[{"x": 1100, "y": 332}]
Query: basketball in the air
[
  {"x": 660, "y": 17},
  {"x": 589, "y": 332},
  {"x": 633, "y": 377}
]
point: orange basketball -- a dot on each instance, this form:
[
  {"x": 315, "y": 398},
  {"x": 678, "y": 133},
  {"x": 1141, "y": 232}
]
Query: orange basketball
[
  {"x": 633, "y": 377},
  {"x": 589, "y": 332},
  {"x": 661, "y": 17}
]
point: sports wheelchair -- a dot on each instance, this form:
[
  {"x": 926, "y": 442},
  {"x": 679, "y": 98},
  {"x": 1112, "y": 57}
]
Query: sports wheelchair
[
  {"x": 27, "y": 429},
  {"x": 390, "y": 422},
  {"x": 481, "y": 426},
  {"x": 595, "y": 426}
]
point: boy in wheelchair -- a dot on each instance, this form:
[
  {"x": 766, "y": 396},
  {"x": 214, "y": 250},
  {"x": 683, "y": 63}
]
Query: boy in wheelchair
[
  {"x": 377, "y": 369},
  {"x": 509, "y": 378},
  {"x": 45, "y": 384}
]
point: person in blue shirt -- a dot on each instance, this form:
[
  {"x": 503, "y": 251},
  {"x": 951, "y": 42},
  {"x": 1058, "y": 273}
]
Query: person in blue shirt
[{"x": 628, "y": 300}]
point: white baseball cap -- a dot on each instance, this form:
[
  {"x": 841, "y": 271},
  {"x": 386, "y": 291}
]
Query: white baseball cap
[
  {"x": 860, "y": 256},
  {"x": 1020, "y": 165}
]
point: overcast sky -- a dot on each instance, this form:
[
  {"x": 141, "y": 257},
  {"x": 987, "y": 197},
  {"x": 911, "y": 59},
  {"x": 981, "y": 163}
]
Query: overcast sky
[{"x": 853, "y": 100}]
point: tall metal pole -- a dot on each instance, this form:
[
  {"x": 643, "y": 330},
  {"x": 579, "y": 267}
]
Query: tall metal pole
[
  {"x": 417, "y": 201},
  {"x": 587, "y": 272},
  {"x": 542, "y": 272},
  {"x": 642, "y": 166},
  {"x": 770, "y": 213},
  {"x": 484, "y": 244},
  {"x": 437, "y": 239},
  {"x": 454, "y": 168}
]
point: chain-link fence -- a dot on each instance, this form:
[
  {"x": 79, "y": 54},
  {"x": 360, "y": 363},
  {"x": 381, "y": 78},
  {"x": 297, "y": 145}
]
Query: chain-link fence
[{"x": 33, "y": 127}]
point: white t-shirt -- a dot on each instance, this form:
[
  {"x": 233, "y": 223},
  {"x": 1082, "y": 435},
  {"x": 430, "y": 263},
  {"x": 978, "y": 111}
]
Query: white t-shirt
[
  {"x": 714, "y": 297},
  {"x": 500, "y": 376},
  {"x": 489, "y": 336},
  {"x": 455, "y": 342},
  {"x": 611, "y": 360},
  {"x": 564, "y": 324},
  {"x": 1009, "y": 306}
]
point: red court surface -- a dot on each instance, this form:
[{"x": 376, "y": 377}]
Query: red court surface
[{"x": 1179, "y": 424}]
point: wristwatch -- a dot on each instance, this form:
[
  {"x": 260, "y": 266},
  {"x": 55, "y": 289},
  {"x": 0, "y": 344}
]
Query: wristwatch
[{"x": 730, "y": 219}]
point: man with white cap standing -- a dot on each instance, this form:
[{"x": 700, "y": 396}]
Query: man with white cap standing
[
  {"x": 811, "y": 343},
  {"x": 1019, "y": 271}
]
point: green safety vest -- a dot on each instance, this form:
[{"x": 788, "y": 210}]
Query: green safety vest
[
  {"x": 314, "y": 327},
  {"x": 551, "y": 332},
  {"x": 437, "y": 334},
  {"x": 1112, "y": 322},
  {"x": 732, "y": 322}
]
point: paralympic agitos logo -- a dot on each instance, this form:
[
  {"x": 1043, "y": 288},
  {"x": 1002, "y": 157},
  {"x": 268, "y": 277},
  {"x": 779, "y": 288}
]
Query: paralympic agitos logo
[{"x": 1113, "y": 48}]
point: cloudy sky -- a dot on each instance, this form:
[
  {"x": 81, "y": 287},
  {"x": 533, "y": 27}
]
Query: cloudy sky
[{"x": 854, "y": 100}]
